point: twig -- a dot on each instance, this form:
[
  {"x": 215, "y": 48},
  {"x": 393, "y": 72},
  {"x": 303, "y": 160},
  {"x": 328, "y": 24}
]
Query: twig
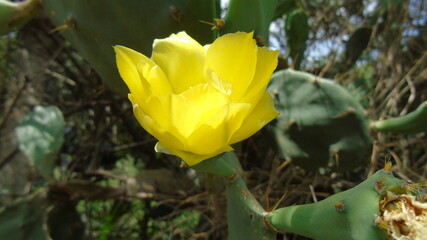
[
  {"x": 8, "y": 158},
  {"x": 13, "y": 103}
]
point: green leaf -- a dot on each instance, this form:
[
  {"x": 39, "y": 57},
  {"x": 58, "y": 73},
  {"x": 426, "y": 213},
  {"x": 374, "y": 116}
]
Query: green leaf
[{"x": 40, "y": 136}]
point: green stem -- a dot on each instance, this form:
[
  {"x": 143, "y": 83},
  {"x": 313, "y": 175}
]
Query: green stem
[
  {"x": 216, "y": 166},
  {"x": 414, "y": 122},
  {"x": 245, "y": 216},
  {"x": 244, "y": 213}
]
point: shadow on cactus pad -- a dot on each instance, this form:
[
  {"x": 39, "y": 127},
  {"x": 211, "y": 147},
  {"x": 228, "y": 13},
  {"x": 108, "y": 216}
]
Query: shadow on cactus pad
[{"x": 320, "y": 126}]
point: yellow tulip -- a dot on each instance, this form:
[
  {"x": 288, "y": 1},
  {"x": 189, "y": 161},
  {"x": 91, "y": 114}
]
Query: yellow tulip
[{"x": 198, "y": 100}]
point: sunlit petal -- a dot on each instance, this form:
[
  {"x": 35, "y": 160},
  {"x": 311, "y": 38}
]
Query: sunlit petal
[
  {"x": 196, "y": 100},
  {"x": 155, "y": 129},
  {"x": 182, "y": 60},
  {"x": 266, "y": 63},
  {"x": 134, "y": 66},
  {"x": 193, "y": 107},
  {"x": 233, "y": 58},
  {"x": 262, "y": 114},
  {"x": 128, "y": 69},
  {"x": 215, "y": 133}
]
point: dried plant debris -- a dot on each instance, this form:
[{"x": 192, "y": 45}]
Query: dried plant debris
[{"x": 403, "y": 216}]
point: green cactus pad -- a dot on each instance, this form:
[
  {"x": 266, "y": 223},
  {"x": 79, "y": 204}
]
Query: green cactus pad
[
  {"x": 349, "y": 215},
  {"x": 40, "y": 136},
  {"x": 411, "y": 123},
  {"x": 93, "y": 27},
  {"x": 320, "y": 124},
  {"x": 14, "y": 15},
  {"x": 250, "y": 15}
]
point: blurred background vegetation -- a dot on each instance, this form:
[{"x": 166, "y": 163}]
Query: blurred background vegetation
[{"x": 108, "y": 183}]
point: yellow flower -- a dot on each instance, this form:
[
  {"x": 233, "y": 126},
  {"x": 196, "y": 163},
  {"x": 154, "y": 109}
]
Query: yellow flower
[{"x": 197, "y": 100}]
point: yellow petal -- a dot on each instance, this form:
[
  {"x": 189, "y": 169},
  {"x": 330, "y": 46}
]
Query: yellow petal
[
  {"x": 154, "y": 107},
  {"x": 266, "y": 63},
  {"x": 129, "y": 60},
  {"x": 217, "y": 131},
  {"x": 263, "y": 113},
  {"x": 128, "y": 69},
  {"x": 155, "y": 129},
  {"x": 193, "y": 107},
  {"x": 182, "y": 60},
  {"x": 189, "y": 157},
  {"x": 233, "y": 58},
  {"x": 154, "y": 78}
]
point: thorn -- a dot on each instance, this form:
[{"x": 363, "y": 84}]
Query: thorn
[
  {"x": 278, "y": 202},
  {"x": 69, "y": 23},
  {"x": 260, "y": 41},
  {"x": 349, "y": 111},
  {"x": 217, "y": 25},
  {"x": 267, "y": 202},
  {"x": 294, "y": 61},
  {"x": 284, "y": 164},
  {"x": 336, "y": 157},
  {"x": 313, "y": 193}
]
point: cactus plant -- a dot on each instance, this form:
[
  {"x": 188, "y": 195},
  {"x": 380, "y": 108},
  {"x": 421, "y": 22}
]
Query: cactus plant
[
  {"x": 320, "y": 125},
  {"x": 93, "y": 27},
  {"x": 352, "y": 214},
  {"x": 296, "y": 27}
]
